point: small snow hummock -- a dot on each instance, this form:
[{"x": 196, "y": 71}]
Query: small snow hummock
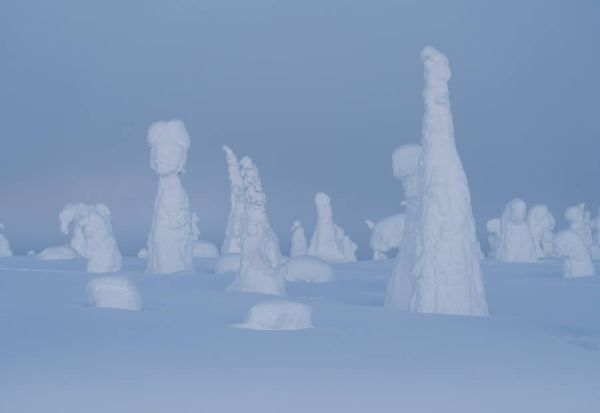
[
  {"x": 232, "y": 244},
  {"x": 541, "y": 226},
  {"x": 114, "y": 292},
  {"x": 170, "y": 240},
  {"x": 329, "y": 242},
  {"x": 299, "y": 243},
  {"x": 58, "y": 252},
  {"x": 93, "y": 236},
  {"x": 386, "y": 235},
  {"x": 228, "y": 263},
  {"x": 578, "y": 262},
  {"x": 516, "y": 243},
  {"x": 261, "y": 269},
  {"x": 5, "y": 250},
  {"x": 279, "y": 315},
  {"x": 201, "y": 248},
  {"x": 307, "y": 268}
]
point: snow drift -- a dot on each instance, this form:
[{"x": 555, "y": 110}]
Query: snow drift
[{"x": 279, "y": 315}]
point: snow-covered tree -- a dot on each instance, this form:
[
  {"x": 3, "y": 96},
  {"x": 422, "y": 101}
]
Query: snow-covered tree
[
  {"x": 232, "y": 243},
  {"x": 516, "y": 242},
  {"x": 541, "y": 224},
  {"x": 578, "y": 262},
  {"x": 299, "y": 242}
]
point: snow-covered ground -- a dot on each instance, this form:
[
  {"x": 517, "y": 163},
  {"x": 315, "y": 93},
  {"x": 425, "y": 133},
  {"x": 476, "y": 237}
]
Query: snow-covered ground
[{"x": 538, "y": 352}]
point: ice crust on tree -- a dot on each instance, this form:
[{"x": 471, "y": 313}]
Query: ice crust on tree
[
  {"x": 299, "y": 242},
  {"x": 386, "y": 235},
  {"x": 516, "y": 242},
  {"x": 329, "y": 242},
  {"x": 306, "y": 268},
  {"x": 114, "y": 292},
  {"x": 93, "y": 236},
  {"x": 279, "y": 315},
  {"x": 405, "y": 162},
  {"x": 493, "y": 228},
  {"x": 232, "y": 244},
  {"x": 228, "y": 263},
  {"x": 5, "y": 250},
  {"x": 541, "y": 226},
  {"x": 170, "y": 248},
  {"x": 577, "y": 259},
  {"x": 260, "y": 265},
  {"x": 201, "y": 248},
  {"x": 445, "y": 273}
]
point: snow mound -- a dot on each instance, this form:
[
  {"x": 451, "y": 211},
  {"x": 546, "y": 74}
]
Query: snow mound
[
  {"x": 228, "y": 263},
  {"x": 59, "y": 252},
  {"x": 205, "y": 249},
  {"x": 308, "y": 269},
  {"x": 114, "y": 292},
  {"x": 143, "y": 254},
  {"x": 279, "y": 315}
]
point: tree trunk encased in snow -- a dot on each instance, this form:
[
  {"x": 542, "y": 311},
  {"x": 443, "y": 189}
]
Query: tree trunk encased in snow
[{"x": 170, "y": 239}]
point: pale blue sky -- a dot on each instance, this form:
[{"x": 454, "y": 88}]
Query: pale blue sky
[{"x": 318, "y": 93}]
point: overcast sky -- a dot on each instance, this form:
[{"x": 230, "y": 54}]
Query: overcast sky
[{"x": 317, "y": 92}]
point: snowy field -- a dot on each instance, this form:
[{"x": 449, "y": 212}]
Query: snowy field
[{"x": 538, "y": 352}]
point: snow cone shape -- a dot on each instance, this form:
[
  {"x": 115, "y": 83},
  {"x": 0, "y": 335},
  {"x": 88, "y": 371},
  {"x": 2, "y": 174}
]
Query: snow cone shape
[
  {"x": 170, "y": 239},
  {"x": 260, "y": 266},
  {"x": 305, "y": 268},
  {"x": 447, "y": 274},
  {"x": 232, "y": 243},
  {"x": 516, "y": 242},
  {"x": 201, "y": 248},
  {"x": 386, "y": 235},
  {"x": 93, "y": 224},
  {"x": 5, "y": 250},
  {"x": 541, "y": 224},
  {"x": 114, "y": 292},
  {"x": 405, "y": 161},
  {"x": 329, "y": 242},
  {"x": 578, "y": 262},
  {"x": 576, "y": 217},
  {"x": 279, "y": 315},
  {"x": 299, "y": 243},
  {"x": 493, "y": 228}
]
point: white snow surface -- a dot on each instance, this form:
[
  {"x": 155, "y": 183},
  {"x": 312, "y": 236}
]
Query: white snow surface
[
  {"x": 170, "y": 247},
  {"x": 261, "y": 269},
  {"x": 329, "y": 241},
  {"x": 538, "y": 352},
  {"x": 5, "y": 250},
  {"x": 279, "y": 315},
  {"x": 578, "y": 261},
  {"x": 307, "y": 268},
  {"x": 516, "y": 243},
  {"x": 299, "y": 244},
  {"x": 114, "y": 292},
  {"x": 386, "y": 235}
]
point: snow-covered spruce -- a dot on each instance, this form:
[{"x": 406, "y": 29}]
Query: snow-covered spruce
[
  {"x": 386, "y": 235},
  {"x": 329, "y": 242},
  {"x": 306, "y": 268},
  {"x": 232, "y": 244},
  {"x": 493, "y": 228},
  {"x": 228, "y": 263},
  {"x": 5, "y": 250},
  {"x": 405, "y": 160},
  {"x": 114, "y": 292},
  {"x": 447, "y": 273},
  {"x": 576, "y": 217},
  {"x": 299, "y": 242},
  {"x": 541, "y": 226},
  {"x": 260, "y": 266},
  {"x": 516, "y": 242},
  {"x": 595, "y": 248},
  {"x": 201, "y": 248},
  {"x": 93, "y": 236},
  {"x": 170, "y": 239},
  {"x": 578, "y": 262},
  {"x": 279, "y": 315}
]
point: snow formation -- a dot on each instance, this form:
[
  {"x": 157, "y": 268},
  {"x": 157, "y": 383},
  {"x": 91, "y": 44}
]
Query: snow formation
[
  {"x": 279, "y": 315},
  {"x": 143, "y": 253},
  {"x": 329, "y": 242},
  {"x": 260, "y": 266},
  {"x": 541, "y": 224},
  {"x": 576, "y": 217},
  {"x": 170, "y": 247},
  {"x": 386, "y": 235},
  {"x": 201, "y": 248},
  {"x": 228, "y": 263},
  {"x": 493, "y": 228},
  {"x": 93, "y": 236},
  {"x": 516, "y": 242},
  {"x": 299, "y": 243},
  {"x": 595, "y": 248},
  {"x": 578, "y": 262},
  {"x": 306, "y": 268},
  {"x": 114, "y": 292},
  {"x": 405, "y": 162},
  {"x": 232, "y": 243},
  {"x": 5, "y": 250},
  {"x": 59, "y": 252}
]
